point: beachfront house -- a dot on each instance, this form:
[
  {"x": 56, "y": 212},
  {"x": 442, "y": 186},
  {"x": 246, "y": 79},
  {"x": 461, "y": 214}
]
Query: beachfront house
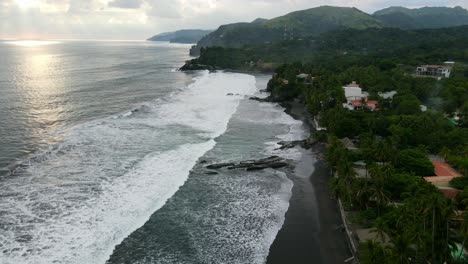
[
  {"x": 353, "y": 92},
  {"x": 363, "y": 104},
  {"x": 435, "y": 71},
  {"x": 357, "y": 99}
]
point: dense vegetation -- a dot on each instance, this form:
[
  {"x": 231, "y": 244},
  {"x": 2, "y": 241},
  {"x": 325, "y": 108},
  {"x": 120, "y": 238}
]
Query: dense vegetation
[
  {"x": 426, "y": 17},
  {"x": 295, "y": 25},
  {"x": 315, "y": 21},
  {"x": 347, "y": 47},
  {"x": 412, "y": 218}
]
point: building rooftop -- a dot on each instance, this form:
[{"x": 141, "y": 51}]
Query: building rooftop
[
  {"x": 369, "y": 103},
  {"x": 434, "y": 66},
  {"x": 444, "y": 169},
  {"x": 436, "y": 179},
  {"x": 353, "y": 84},
  {"x": 303, "y": 75}
]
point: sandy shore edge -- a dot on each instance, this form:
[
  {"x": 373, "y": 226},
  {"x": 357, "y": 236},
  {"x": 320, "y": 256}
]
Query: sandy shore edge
[{"x": 312, "y": 231}]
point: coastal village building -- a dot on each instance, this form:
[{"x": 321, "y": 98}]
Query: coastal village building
[
  {"x": 353, "y": 92},
  {"x": 444, "y": 174},
  {"x": 303, "y": 76},
  {"x": 436, "y": 71},
  {"x": 357, "y": 99}
]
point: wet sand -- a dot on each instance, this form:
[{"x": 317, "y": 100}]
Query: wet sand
[{"x": 312, "y": 230}]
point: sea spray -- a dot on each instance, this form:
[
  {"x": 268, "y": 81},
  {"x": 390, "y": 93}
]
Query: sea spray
[{"x": 108, "y": 176}]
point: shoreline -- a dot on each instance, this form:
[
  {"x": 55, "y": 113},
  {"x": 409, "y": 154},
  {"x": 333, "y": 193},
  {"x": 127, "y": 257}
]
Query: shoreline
[{"x": 312, "y": 230}]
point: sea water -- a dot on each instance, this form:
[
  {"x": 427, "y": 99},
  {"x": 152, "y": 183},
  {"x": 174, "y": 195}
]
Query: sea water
[{"x": 104, "y": 148}]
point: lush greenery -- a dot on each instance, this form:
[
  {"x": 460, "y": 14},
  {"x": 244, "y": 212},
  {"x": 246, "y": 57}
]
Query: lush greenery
[
  {"x": 295, "y": 25},
  {"x": 413, "y": 220},
  {"x": 350, "y": 48},
  {"x": 426, "y": 17},
  {"x": 421, "y": 225}
]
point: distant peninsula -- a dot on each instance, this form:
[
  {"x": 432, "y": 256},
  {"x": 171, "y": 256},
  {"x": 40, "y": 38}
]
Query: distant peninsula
[{"x": 186, "y": 36}]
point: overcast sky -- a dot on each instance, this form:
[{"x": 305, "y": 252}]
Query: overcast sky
[{"x": 139, "y": 19}]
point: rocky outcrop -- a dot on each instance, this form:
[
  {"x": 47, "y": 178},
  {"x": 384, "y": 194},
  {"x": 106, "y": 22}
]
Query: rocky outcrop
[
  {"x": 263, "y": 100},
  {"x": 306, "y": 143},
  {"x": 273, "y": 162},
  {"x": 219, "y": 165},
  {"x": 191, "y": 66}
]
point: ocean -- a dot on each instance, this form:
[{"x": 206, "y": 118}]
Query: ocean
[{"x": 103, "y": 152}]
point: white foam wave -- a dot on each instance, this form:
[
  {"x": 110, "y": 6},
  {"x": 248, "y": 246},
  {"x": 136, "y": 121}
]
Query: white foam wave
[
  {"x": 84, "y": 196},
  {"x": 295, "y": 131}
]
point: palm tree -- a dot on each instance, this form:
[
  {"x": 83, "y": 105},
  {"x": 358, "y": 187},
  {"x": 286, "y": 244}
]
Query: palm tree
[
  {"x": 379, "y": 229},
  {"x": 440, "y": 210},
  {"x": 346, "y": 172},
  {"x": 379, "y": 193},
  {"x": 371, "y": 252},
  {"x": 363, "y": 193},
  {"x": 401, "y": 250},
  {"x": 464, "y": 232},
  {"x": 338, "y": 187}
]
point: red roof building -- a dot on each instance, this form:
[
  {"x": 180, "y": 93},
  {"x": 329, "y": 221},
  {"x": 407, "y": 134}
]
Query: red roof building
[
  {"x": 372, "y": 105},
  {"x": 444, "y": 169},
  {"x": 444, "y": 174}
]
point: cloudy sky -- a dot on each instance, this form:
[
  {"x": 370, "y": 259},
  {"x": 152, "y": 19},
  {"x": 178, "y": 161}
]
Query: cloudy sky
[{"x": 139, "y": 19}]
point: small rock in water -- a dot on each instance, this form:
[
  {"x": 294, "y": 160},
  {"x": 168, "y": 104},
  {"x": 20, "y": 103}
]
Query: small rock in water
[
  {"x": 219, "y": 165},
  {"x": 273, "y": 162},
  {"x": 258, "y": 99}
]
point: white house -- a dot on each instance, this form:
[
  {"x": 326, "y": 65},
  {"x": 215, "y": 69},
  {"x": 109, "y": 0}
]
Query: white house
[
  {"x": 353, "y": 92},
  {"x": 449, "y": 63},
  {"x": 437, "y": 71}
]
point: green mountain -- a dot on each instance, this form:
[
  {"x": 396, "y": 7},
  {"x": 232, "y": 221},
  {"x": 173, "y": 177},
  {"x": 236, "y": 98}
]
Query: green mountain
[
  {"x": 398, "y": 20},
  {"x": 295, "y": 25},
  {"x": 426, "y": 17},
  {"x": 345, "y": 47},
  {"x": 181, "y": 36}
]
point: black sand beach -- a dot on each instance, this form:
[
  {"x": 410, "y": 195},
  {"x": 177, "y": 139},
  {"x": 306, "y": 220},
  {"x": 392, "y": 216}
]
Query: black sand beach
[{"x": 312, "y": 230}]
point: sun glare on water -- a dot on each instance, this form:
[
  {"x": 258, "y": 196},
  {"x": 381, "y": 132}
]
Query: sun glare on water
[{"x": 31, "y": 43}]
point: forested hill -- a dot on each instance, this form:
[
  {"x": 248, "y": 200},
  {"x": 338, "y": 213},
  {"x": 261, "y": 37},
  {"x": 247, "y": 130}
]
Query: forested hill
[
  {"x": 295, "y": 25},
  {"x": 181, "y": 36},
  {"x": 315, "y": 21},
  {"x": 426, "y": 17},
  {"x": 350, "y": 46}
]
